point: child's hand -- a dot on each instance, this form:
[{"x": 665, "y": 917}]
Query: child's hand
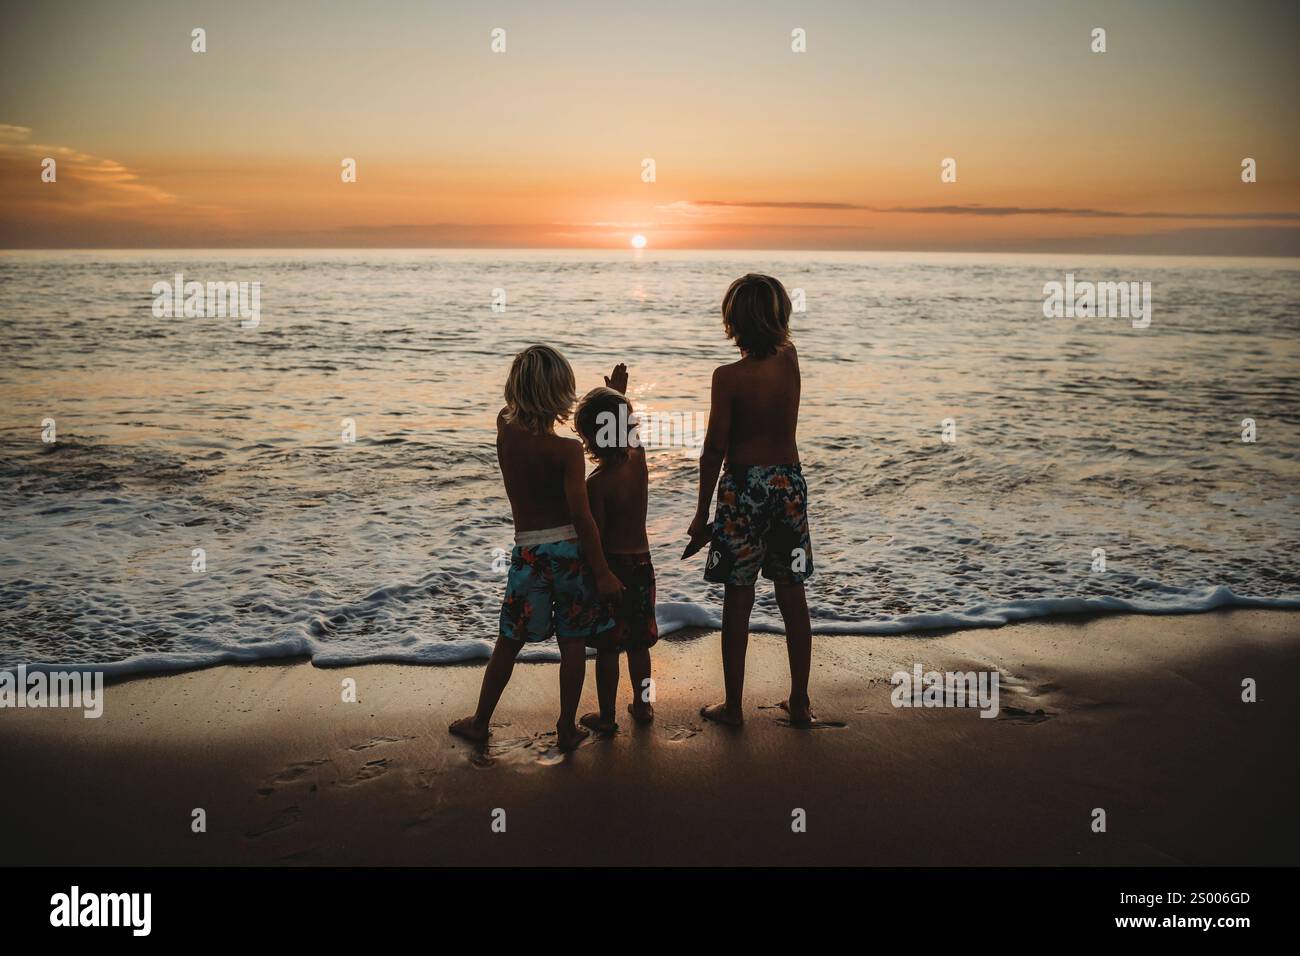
[
  {"x": 700, "y": 532},
  {"x": 617, "y": 380},
  {"x": 608, "y": 586}
]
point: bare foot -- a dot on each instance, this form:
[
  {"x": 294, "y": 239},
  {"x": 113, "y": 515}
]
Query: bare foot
[
  {"x": 594, "y": 721},
  {"x": 569, "y": 738},
  {"x": 641, "y": 712},
  {"x": 722, "y": 714},
  {"x": 799, "y": 716},
  {"x": 470, "y": 729}
]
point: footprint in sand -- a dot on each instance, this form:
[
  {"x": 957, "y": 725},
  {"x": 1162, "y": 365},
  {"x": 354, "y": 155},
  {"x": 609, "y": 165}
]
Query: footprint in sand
[
  {"x": 378, "y": 742},
  {"x": 1024, "y": 691},
  {"x": 290, "y": 774},
  {"x": 283, "y": 818},
  {"x": 540, "y": 748},
  {"x": 422, "y": 820},
  {"x": 548, "y": 752},
  {"x": 428, "y": 777},
  {"x": 509, "y": 745},
  {"x": 369, "y": 771},
  {"x": 297, "y": 856},
  {"x": 499, "y": 748},
  {"x": 548, "y": 749},
  {"x": 1022, "y": 688},
  {"x": 818, "y": 723},
  {"x": 678, "y": 732},
  {"x": 1024, "y": 716}
]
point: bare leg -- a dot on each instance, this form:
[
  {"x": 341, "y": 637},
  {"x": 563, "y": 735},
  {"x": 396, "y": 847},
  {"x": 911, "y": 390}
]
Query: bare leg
[
  {"x": 573, "y": 670},
  {"x": 792, "y": 601},
  {"x": 736, "y": 606},
  {"x": 495, "y": 677},
  {"x": 638, "y": 668},
  {"x": 606, "y": 692}
]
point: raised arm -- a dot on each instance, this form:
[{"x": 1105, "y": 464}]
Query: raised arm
[
  {"x": 617, "y": 379},
  {"x": 575, "y": 493}
]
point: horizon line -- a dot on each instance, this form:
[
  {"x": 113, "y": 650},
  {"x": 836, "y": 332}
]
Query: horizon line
[{"x": 636, "y": 253}]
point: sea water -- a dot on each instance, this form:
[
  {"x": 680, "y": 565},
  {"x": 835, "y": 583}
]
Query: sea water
[{"x": 179, "y": 490}]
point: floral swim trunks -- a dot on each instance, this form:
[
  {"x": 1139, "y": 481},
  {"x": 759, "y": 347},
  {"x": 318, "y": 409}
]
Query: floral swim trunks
[
  {"x": 761, "y": 524},
  {"x": 634, "y": 613},
  {"x": 551, "y": 590}
]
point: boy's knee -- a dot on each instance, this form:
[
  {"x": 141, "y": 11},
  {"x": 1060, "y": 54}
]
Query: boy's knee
[
  {"x": 789, "y": 594},
  {"x": 508, "y": 647},
  {"x": 738, "y": 595},
  {"x": 572, "y": 647}
]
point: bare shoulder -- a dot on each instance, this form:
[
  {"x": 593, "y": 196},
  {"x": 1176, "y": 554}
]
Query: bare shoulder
[
  {"x": 598, "y": 480},
  {"x": 506, "y": 436},
  {"x": 724, "y": 374},
  {"x": 568, "y": 449},
  {"x": 634, "y": 470},
  {"x": 791, "y": 356}
]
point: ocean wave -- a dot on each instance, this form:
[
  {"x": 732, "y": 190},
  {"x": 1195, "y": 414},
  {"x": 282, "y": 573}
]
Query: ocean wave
[{"x": 675, "y": 616}]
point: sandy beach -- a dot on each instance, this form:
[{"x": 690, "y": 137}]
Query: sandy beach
[{"x": 1139, "y": 715}]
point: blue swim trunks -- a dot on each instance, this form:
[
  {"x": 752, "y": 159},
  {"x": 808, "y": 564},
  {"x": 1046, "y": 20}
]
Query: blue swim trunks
[
  {"x": 761, "y": 524},
  {"x": 551, "y": 590}
]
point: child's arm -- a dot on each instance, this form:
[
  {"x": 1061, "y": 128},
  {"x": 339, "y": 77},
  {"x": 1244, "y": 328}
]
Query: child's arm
[
  {"x": 575, "y": 493},
  {"x": 617, "y": 380},
  {"x": 711, "y": 458}
]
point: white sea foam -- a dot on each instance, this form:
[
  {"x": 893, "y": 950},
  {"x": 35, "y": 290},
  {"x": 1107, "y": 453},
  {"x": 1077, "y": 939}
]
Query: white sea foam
[{"x": 676, "y": 617}]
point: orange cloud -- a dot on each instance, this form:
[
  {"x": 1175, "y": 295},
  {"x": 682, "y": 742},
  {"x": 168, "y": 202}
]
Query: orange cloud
[{"x": 91, "y": 195}]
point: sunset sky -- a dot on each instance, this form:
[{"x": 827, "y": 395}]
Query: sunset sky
[{"x": 1137, "y": 149}]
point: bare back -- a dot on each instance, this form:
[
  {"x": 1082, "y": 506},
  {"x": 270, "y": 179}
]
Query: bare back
[
  {"x": 763, "y": 396},
  {"x": 619, "y": 495},
  {"x": 532, "y": 467}
]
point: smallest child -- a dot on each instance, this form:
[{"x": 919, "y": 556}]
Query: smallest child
[{"x": 618, "y": 491}]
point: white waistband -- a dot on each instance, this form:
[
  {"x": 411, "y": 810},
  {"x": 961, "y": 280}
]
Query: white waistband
[{"x": 547, "y": 536}]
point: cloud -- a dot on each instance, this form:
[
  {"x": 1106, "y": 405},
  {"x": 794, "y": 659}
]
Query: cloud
[
  {"x": 698, "y": 206},
  {"x": 762, "y": 204},
  {"x": 93, "y": 182},
  {"x": 974, "y": 209}
]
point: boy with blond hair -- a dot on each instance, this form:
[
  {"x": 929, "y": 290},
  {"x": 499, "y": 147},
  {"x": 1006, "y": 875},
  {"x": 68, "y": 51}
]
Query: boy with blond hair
[{"x": 558, "y": 577}]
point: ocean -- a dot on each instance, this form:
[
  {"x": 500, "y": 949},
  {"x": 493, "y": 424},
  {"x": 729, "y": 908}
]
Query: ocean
[{"x": 180, "y": 490}]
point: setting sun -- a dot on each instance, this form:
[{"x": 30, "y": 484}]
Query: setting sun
[{"x": 638, "y": 241}]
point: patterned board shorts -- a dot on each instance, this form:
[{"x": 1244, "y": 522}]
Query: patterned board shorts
[
  {"x": 761, "y": 524},
  {"x": 634, "y": 614},
  {"x": 551, "y": 590}
]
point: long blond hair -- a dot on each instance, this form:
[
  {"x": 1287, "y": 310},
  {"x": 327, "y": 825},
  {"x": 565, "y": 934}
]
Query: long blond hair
[{"x": 540, "y": 389}]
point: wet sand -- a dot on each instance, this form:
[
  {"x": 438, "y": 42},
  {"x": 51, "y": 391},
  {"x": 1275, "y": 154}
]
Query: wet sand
[{"x": 1138, "y": 715}]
